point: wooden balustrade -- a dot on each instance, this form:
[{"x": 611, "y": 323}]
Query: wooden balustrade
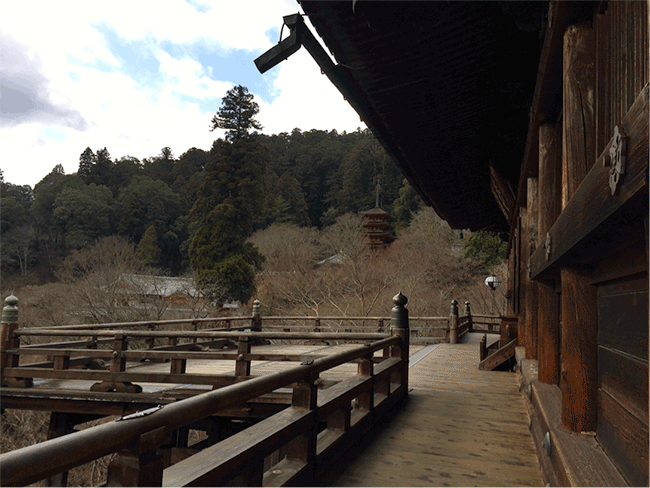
[{"x": 140, "y": 438}]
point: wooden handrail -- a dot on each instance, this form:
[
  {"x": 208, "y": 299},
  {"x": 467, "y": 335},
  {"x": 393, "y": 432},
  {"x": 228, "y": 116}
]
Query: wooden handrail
[{"x": 33, "y": 463}]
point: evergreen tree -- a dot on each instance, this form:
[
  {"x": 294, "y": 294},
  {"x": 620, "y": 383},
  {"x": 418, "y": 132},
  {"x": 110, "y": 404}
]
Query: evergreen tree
[
  {"x": 229, "y": 201},
  {"x": 237, "y": 114},
  {"x": 87, "y": 162},
  {"x": 148, "y": 250}
]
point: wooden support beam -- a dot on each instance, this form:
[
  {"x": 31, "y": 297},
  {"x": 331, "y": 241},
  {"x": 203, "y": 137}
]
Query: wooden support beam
[{"x": 548, "y": 321}]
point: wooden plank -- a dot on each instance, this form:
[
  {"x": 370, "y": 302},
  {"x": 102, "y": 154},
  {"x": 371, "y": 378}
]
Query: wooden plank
[
  {"x": 624, "y": 378},
  {"x": 625, "y": 439},
  {"x": 592, "y": 203},
  {"x": 623, "y": 316},
  {"x": 217, "y": 464},
  {"x": 190, "y": 379},
  {"x": 499, "y": 357}
]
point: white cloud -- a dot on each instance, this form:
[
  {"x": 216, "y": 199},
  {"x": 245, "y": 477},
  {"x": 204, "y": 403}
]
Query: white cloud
[{"x": 130, "y": 119}]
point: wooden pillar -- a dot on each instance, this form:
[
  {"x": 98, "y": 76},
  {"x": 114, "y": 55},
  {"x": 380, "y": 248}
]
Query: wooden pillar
[
  {"x": 579, "y": 314},
  {"x": 548, "y": 320},
  {"x": 578, "y": 95},
  {"x": 579, "y": 352},
  {"x": 531, "y": 286},
  {"x": 522, "y": 272}
]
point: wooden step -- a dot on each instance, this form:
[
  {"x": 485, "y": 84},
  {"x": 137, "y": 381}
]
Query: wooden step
[{"x": 499, "y": 357}]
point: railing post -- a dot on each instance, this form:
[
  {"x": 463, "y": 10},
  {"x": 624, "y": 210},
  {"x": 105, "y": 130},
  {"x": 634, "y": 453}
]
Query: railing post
[
  {"x": 7, "y": 341},
  {"x": 482, "y": 350},
  {"x": 257, "y": 317},
  {"x": 453, "y": 322},
  {"x": 303, "y": 446},
  {"x": 141, "y": 465},
  {"x": 118, "y": 365},
  {"x": 399, "y": 326},
  {"x": 366, "y": 401},
  {"x": 468, "y": 313},
  {"x": 243, "y": 365}
]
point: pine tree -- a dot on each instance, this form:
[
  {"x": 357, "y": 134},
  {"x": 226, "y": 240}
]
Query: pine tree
[
  {"x": 87, "y": 162},
  {"x": 237, "y": 114}
]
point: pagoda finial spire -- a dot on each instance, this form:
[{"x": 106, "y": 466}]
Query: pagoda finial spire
[{"x": 377, "y": 197}]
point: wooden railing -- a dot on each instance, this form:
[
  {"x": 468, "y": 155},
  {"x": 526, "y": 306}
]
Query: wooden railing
[
  {"x": 319, "y": 425},
  {"x": 317, "y": 428}
]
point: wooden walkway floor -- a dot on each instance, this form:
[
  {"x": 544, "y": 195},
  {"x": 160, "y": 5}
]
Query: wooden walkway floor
[{"x": 459, "y": 427}]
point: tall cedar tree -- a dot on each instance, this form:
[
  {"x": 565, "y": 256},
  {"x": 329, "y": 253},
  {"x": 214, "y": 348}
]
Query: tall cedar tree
[
  {"x": 237, "y": 114},
  {"x": 230, "y": 198}
]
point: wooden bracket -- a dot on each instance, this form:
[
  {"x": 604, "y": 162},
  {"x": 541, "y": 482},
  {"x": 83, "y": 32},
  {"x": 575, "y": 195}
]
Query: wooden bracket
[{"x": 615, "y": 158}]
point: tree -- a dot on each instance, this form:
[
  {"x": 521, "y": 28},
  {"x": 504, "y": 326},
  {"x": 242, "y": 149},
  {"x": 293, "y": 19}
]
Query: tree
[
  {"x": 145, "y": 202},
  {"x": 485, "y": 249},
  {"x": 83, "y": 214},
  {"x": 148, "y": 250},
  {"x": 405, "y": 205},
  {"x": 87, "y": 162},
  {"x": 237, "y": 114}
]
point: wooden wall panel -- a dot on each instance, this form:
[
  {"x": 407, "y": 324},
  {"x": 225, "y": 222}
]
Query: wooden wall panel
[
  {"x": 623, "y": 374},
  {"x": 625, "y": 378},
  {"x": 624, "y": 438},
  {"x": 622, "y": 64},
  {"x": 623, "y": 316}
]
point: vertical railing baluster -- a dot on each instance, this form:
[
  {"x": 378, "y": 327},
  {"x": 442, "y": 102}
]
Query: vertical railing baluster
[
  {"x": 243, "y": 364},
  {"x": 399, "y": 326},
  {"x": 453, "y": 322}
]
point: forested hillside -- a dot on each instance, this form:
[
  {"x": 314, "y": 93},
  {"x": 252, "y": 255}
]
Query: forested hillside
[{"x": 306, "y": 178}]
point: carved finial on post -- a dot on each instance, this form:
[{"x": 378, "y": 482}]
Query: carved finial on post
[
  {"x": 257, "y": 317},
  {"x": 399, "y": 326},
  {"x": 10, "y": 311},
  {"x": 453, "y": 322}
]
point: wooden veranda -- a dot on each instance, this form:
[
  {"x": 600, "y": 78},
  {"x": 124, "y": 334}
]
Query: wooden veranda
[{"x": 295, "y": 423}]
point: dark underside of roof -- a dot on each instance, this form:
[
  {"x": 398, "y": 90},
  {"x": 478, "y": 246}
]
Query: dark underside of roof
[{"x": 446, "y": 87}]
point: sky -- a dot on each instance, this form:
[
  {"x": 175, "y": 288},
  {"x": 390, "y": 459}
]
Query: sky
[{"x": 136, "y": 76}]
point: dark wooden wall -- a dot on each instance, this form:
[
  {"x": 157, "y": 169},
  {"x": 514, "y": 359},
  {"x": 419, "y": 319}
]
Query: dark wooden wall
[
  {"x": 621, "y": 33},
  {"x": 623, "y": 374}
]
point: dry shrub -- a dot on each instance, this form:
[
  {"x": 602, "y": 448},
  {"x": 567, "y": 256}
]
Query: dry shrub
[{"x": 424, "y": 263}]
